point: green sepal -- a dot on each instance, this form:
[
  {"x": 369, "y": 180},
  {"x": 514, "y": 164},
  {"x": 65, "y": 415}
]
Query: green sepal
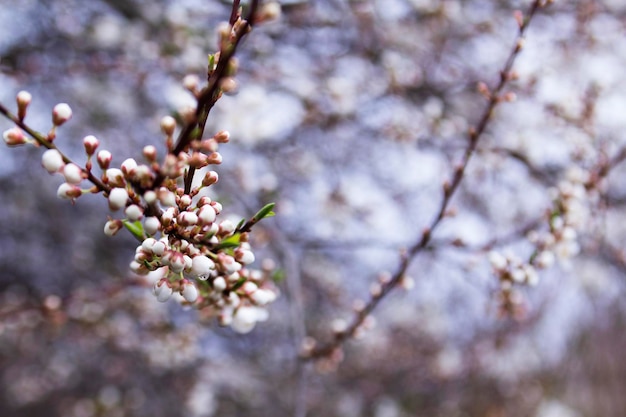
[
  {"x": 238, "y": 284},
  {"x": 135, "y": 228}
]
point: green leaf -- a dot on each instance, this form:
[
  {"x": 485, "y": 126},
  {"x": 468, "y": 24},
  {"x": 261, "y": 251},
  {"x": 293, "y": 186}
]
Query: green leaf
[
  {"x": 279, "y": 275},
  {"x": 135, "y": 228},
  {"x": 266, "y": 211},
  {"x": 230, "y": 242},
  {"x": 238, "y": 284}
]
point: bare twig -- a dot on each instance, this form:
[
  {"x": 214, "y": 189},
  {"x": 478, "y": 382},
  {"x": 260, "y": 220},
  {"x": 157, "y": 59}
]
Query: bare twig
[{"x": 450, "y": 188}]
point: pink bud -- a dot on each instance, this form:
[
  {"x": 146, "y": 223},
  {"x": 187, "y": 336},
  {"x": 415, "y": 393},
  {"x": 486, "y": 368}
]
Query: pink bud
[
  {"x": 104, "y": 159},
  {"x": 69, "y": 191},
  {"x": 61, "y": 113},
  {"x": 14, "y": 137},
  {"x": 23, "y": 99},
  {"x": 162, "y": 290},
  {"x": 168, "y": 124},
  {"x": 91, "y": 144},
  {"x": 210, "y": 178},
  {"x": 191, "y": 82},
  {"x": 150, "y": 153},
  {"x": 112, "y": 227},
  {"x": 222, "y": 136},
  {"x": 128, "y": 167},
  {"x": 215, "y": 158}
]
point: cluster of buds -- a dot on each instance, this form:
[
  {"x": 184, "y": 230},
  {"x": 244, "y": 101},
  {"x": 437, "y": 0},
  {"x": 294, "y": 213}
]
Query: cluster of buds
[
  {"x": 204, "y": 260},
  {"x": 569, "y": 213}
]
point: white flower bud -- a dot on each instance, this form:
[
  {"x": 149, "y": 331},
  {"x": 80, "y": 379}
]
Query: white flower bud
[
  {"x": 219, "y": 284},
  {"x": 90, "y": 143},
  {"x": 150, "y": 153},
  {"x": 189, "y": 292},
  {"x": 159, "y": 248},
  {"x": 14, "y": 137},
  {"x": 163, "y": 291},
  {"x": 112, "y": 227},
  {"x": 147, "y": 244},
  {"x": 150, "y": 197},
  {"x": 69, "y": 191},
  {"x": 115, "y": 177},
  {"x": 497, "y": 260},
  {"x": 226, "y": 226},
  {"x": 104, "y": 159},
  {"x": 206, "y": 214},
  {"x": 118, "y": 198},
  {"x": 201, "y": 266},
  {"x": 191, "y": 82},
  {"x": 187, "y": 218},
  {"x": 166, "y": 197},
  {"x": 262, "y": 297},
  {"x": 246, "y": 318},
  {"x": 133, "y": 212},
  {"x": 151, "y": 225},
  {"x": 249, "y": 287},
  {"x": 128, "y": 167},
  {"x": 72, "y": 173},
  {"x": 61, "y": 113},
  {"x": 23, "y": 99},
  {"x": 244, "y": 256},
  {"x": 52, "y": 160},
  {"x": 168, "y": 124}
]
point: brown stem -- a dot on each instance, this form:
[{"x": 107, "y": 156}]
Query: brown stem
[{"x": 449, "y": 190}]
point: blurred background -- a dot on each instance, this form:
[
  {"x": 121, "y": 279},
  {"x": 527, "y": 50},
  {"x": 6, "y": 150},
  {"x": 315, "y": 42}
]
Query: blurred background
[{"x": 350, "y": 115}]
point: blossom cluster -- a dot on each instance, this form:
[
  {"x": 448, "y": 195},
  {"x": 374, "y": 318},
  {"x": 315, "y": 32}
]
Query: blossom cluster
[
  {"x": 206, "y": 261},
  {"x": 570, "y": 213}
]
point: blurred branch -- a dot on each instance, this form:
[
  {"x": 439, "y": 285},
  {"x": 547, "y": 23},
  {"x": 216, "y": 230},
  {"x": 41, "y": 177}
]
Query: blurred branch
[{"x": 495, "y": 96}]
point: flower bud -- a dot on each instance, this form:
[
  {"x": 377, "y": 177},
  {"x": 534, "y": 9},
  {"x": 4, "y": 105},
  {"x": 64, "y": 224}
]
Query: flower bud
[
  {"x": 14, "y": 137},
  {"x": 228, "y": 84},
  {"x": 91, "y": 144},
  {"x": 219, "y": 284},
  {"x": 151, "y": 225},
  {"x": 114, "y": 177},
  {"x": 112, "y": 227},
  {"x": 244, "y": 256},
  {"x": 23, "y": 99},
  {"x": 61, "y": 113},
  {"x": 201, "y": 266},
  {"x": 206, "y": 215},
  {"x": 222, "y": 136},
  {"x": 191, "y": 82},
  {"x": 168, "y": 124},
  {"x": 150, "y": 153},
  {"x": 189, "y": 292},
  {"x": 104, "y": 159},
  {"x": 52, "y": 160},
  {"x": 226, "y": 227},
  {"x": 72, "y": 173},
  {"x": 118, "y": 198},
  {"x": 69, "y": 191},
  {"x": 162, "y": 290},
  {"x": 128, "y": 167},
  {"x": 210, "y": 178},
  {"x": 134, "y": 212},
  {"x": 187, "y": 218}
]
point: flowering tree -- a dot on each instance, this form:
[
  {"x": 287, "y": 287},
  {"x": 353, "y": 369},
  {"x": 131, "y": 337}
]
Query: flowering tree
[{"x": 450, "y": 157}]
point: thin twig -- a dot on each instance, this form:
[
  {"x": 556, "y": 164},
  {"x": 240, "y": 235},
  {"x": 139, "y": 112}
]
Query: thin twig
[
  {"x": 449, "y": 190},
  {"x": 43, "y": 141}
]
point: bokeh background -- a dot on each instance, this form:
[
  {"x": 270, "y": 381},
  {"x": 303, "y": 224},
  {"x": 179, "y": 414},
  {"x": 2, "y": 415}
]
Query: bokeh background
[{"x": 350, "y": 115}]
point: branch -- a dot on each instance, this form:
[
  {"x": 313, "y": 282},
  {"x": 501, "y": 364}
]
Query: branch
[{"x": 474, "y": 135}]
